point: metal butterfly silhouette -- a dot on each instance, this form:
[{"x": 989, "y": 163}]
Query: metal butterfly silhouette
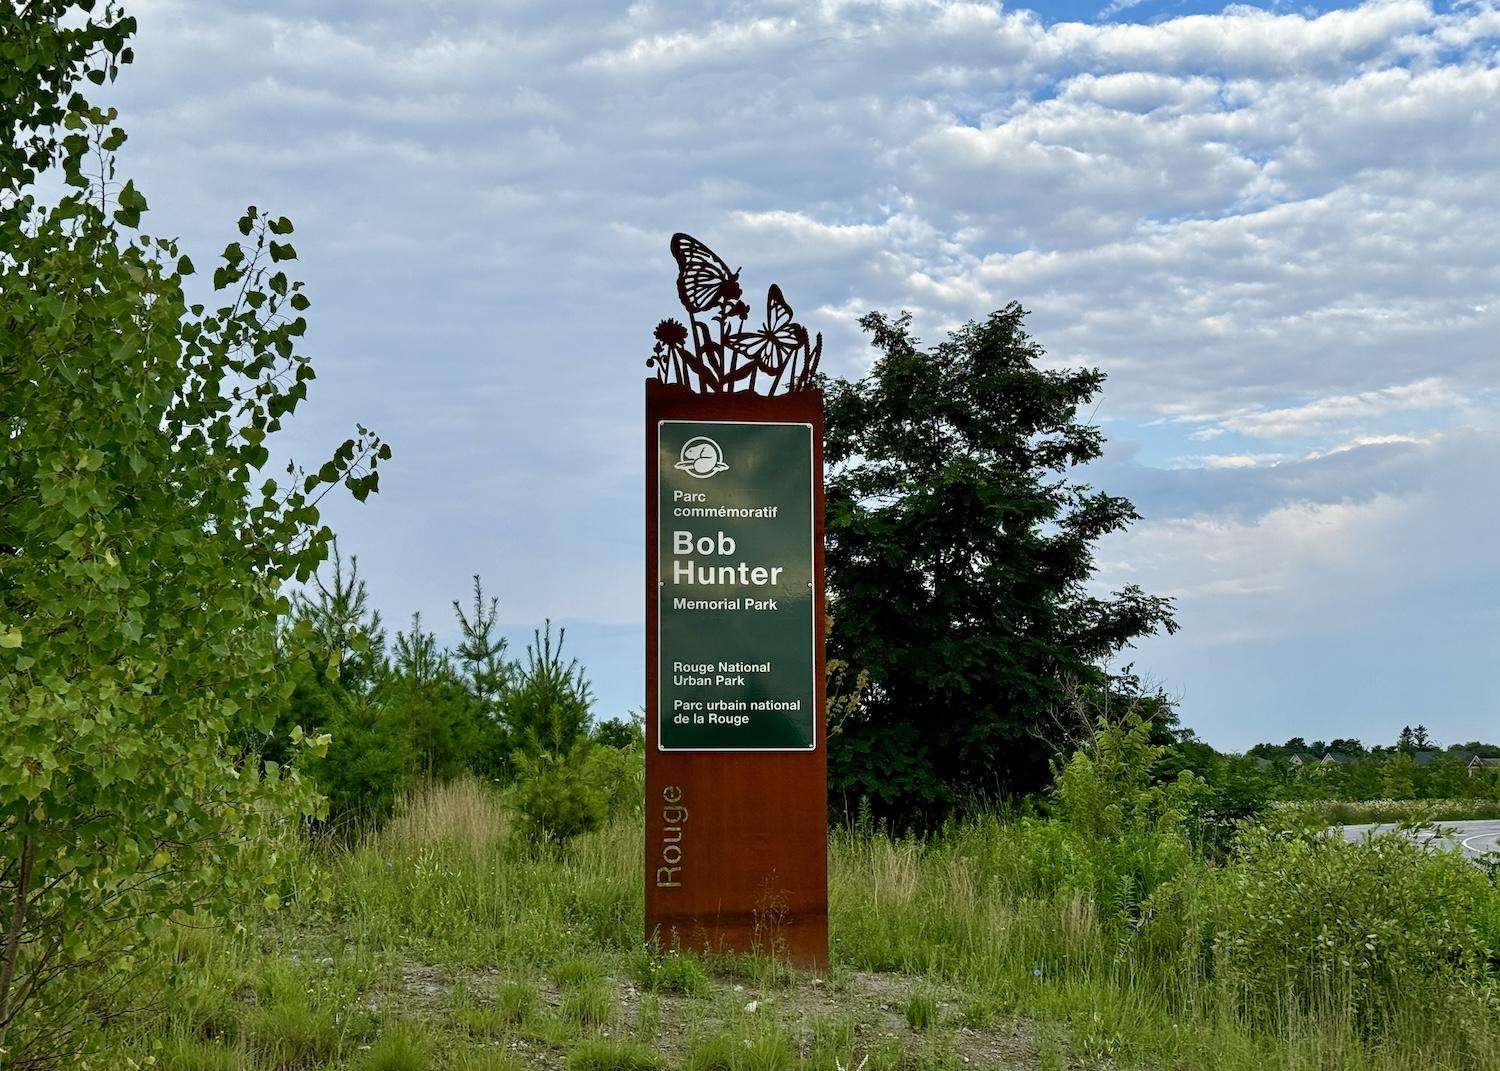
[
  {"x": 704, "y": 281},
  {"x": 712, "y": 352},
  {"x": 777, "y": 340}
]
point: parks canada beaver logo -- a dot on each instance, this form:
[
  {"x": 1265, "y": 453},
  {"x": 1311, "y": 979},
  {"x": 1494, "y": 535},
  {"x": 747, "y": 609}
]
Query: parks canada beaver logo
[{"x": 701, "y": 457}]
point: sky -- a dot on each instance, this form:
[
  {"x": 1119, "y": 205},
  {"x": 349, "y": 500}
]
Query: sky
[{"x": 1275, "y": 228}]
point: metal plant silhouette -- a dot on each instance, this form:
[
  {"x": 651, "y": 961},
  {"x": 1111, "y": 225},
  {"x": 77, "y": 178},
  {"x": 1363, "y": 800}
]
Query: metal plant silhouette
[{"x": 713, "y": 353}]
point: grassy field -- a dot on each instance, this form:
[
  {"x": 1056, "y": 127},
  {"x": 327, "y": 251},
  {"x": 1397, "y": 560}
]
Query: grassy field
[
  {"x": 439, "y": 944},
  {"x": 1360, "y": 812}
]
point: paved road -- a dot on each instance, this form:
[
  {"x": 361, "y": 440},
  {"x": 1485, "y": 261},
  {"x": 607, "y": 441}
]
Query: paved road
[{"x": 1473, "y": 838}]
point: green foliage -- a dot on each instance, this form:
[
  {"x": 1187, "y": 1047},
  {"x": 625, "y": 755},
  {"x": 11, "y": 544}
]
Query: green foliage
[
  {"x": 548, "y": 709},
  {"x": 670, "y": 972},
  {"x": 618, "y": 733},
  {"x": 716, "y": 1052},
  {"x": 337, "y": 646},
  {"x": 1356, "y": 929},
  {"x": 413, "y": 713},
  {"x": 418, "y": 713},
  {"x": 291, "y": 1032},
  {"x": 620, "y": 774},
  {"x": 481, "y": 652},
  {"x": 447, "y": 731},
  {"x": 46, "y": 50},
  {"x": 1122, "y": 832},
  {"x": 557, "y": 797},
  {"x": 195, "y": 1054},
  {"x": 590, "y": 1004},
  {"x": 576, "y": 971},
  {"x": 517, "y": 1001},
  {"x": 1029, "y": 956},
  {"x": 142, "y": 550},
  {"x": 958, "y": 552},
  {"x": 1345, "y": 770},
  {"x": 1398, "y": 779},
  {"x": 565, "y": 783}
]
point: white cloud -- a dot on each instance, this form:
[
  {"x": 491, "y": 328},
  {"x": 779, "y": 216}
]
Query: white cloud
[
  {"x": 1233, "y": 461},
  {"x": 1275, "y": 231},
  {"x": 1341, "y": 412}
]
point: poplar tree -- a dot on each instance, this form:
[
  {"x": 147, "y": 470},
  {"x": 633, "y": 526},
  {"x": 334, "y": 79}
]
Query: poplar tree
[{"x": 143, "y": 546}]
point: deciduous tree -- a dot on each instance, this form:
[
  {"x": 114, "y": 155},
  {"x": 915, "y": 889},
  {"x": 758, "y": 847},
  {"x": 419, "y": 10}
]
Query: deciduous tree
[
  {"x": 142, "y": 548},
  {"x": 960, "y": 556}
]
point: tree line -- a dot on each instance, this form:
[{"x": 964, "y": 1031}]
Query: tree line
[{"x": 401, "y": 710}]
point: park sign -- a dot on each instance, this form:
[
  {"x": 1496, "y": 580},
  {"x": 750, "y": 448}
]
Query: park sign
[
  {"x": 736, "y": 854},
  {"x": 736, "y": 661}
]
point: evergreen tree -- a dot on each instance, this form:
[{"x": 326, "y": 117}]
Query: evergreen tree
[
  {"x": 444, "y": 723},
  {"x": 547, "y": 711},
  {"x": 481, "y": 651}
]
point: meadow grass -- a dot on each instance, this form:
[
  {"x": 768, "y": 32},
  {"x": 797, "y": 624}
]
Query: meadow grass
[
  {"x": 1363, "y": 812},
  {"x": 441, "y": 942}
]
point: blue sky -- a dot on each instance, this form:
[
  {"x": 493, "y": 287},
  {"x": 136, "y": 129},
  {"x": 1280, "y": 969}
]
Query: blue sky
[{"x": 1274, "y": 227}]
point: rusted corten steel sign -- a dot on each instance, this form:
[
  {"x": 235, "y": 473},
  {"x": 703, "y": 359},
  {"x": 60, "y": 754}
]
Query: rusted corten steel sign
[{"x": 736, "y": 766}]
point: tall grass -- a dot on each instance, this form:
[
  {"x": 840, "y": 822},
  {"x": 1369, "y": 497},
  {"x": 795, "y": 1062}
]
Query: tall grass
[
  {"x": 466, "y": 815},
  {"x": 1261, "y": 964},
  {"x": 1163, "y": 962}
]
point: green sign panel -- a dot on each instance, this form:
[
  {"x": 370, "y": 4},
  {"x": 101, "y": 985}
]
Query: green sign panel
[{"x": 735, "y": 604}]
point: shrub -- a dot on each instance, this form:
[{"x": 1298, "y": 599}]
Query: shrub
[
  {"x": 1118, "y": 833},
  {"x": 1351, "y": 930},
  {"x": 144, "y": 548},
  {"x": 619, "y": 775},
  {"x": 557, "y": 796}
]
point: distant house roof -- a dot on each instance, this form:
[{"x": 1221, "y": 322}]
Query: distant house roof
[
  {"x": 1302, "y": 759},
  {"x": 1484, "y": 762},
  {"x": 1337, "y": 756},
  {"x": 1423, "y": 758}
]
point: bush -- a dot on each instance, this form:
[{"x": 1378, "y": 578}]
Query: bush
[
  {"x": 620, "y": 776},
  {"x": 1118, "y": 833},
  {"x": 1352, "y": 930},
  {"x": 143, "y": 546},
  {"x": 557, "y": 797}
]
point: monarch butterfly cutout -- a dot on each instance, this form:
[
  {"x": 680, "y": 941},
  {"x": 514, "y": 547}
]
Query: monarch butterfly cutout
[
  {"x": 774, "y": 343},
  {"x": 717, "y": 354},
  {"x": 704, "y": 281}
]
